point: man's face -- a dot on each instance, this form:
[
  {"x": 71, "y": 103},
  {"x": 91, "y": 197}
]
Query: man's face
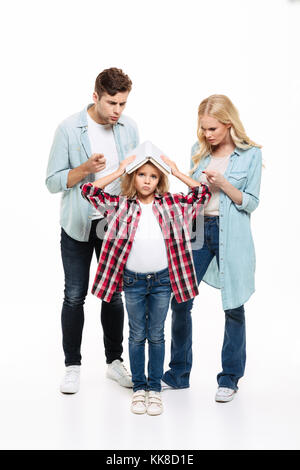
[{"x": 108, "y": 109}]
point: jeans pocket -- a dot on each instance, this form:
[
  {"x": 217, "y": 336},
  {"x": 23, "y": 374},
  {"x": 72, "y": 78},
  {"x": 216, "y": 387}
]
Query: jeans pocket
[
  {"x": 128, "y": 281},
  {"x": 164, "y": 281}
]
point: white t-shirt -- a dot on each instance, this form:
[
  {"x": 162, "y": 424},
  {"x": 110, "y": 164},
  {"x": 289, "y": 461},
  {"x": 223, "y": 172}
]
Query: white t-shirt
[
  {"x": 102, "y": 141},
  {"x": 148, "y": 252},
  {"x": 218, "y": 164}
]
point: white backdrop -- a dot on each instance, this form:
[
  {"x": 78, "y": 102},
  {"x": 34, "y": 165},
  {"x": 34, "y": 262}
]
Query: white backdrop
[{"x": 176, "y": 54}]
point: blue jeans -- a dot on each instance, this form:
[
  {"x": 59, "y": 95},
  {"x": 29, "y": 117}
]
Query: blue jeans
[
  {"x": 234, "y": 344},
  {"x": 76, "y": 258},
  {"x": 147, "y": 299}
]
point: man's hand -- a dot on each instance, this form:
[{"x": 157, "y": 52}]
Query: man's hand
[{"x": 95, "y": 163}]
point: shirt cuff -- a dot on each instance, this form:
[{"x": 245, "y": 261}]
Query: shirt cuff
[
  {"x": 64, "y": 180},
  {"x": 245, "y": 201}
]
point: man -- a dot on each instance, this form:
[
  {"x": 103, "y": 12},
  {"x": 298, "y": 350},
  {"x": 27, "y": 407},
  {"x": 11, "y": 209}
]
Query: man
[{"x": 86, "y": 146}]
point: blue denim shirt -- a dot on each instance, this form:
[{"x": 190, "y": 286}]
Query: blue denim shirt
[
  {"x": 235, "y": 277},
  {"x": 71, "y": 148}
]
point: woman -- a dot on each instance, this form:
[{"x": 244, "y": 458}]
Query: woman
[
  {"x": 226, "y": 159},
  {"x": 147, "y": 235}
]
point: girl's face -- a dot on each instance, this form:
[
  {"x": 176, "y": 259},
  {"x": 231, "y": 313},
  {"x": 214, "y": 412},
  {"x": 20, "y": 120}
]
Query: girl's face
[
  {"x": 215, "y": 132},
  {"x": 146, "y": 180}
]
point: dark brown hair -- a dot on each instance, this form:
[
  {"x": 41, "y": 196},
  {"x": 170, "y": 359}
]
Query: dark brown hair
[{"x": 112, "y": 81}]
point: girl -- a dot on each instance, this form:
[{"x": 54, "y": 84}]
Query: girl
[
  {"x": 146, "y": 251},
  {"x": 230, "y": 162}
]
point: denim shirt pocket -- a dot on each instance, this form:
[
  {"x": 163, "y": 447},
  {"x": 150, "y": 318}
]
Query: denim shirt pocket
[{"x": 238, "y": 179}]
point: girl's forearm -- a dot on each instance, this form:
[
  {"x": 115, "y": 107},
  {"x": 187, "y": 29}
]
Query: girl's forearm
[
  {"x": 186, "y": 179},
  {"x": 105, "y": 180}
]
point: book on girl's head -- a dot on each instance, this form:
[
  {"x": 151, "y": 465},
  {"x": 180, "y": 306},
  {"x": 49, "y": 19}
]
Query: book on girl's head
[{"x": 147, "y": 152}]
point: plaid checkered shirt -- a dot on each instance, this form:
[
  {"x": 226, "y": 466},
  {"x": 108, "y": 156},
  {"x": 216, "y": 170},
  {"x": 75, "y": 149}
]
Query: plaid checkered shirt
[{"x": 174, "y": 213}]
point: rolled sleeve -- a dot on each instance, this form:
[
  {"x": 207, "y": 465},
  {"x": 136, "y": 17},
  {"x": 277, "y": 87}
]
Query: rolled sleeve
[
  {"x": 250, "y": 194},
  {"x": 64, "y": 179},
  {"x": 103, "y": 202},
  {"x": 245, "y": 202},
  {"x": 58, "y": 164},
  {"x": 194, "y": 201}
]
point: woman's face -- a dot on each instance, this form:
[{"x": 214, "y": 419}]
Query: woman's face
[
  {"x": 146, "y": 179},
  {"x": 215, "y": 132}
]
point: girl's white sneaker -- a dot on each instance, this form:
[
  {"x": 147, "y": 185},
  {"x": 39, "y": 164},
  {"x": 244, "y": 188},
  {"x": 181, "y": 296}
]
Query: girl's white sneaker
[
  {"x": 138, "y": 403},
  {"x": 154, "y": 405}
]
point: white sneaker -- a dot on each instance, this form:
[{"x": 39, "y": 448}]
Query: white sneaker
[
  {"x": 71, "y": 380},
  {"x": 224, "y": 394},
  {"x": 154, "y": 405},
  {"x": 117, "y": 371},
  {"x": 138, "y": 404}
]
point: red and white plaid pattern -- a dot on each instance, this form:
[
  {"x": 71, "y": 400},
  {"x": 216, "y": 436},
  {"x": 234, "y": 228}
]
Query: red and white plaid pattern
[{"x": 174, "y": 213}]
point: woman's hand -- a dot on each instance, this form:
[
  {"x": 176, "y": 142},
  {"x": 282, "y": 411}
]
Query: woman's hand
[
  {"x": 125, "y": 163},
  {"x": 171, "y": 164},
  {"x": 215, "y": 178}
]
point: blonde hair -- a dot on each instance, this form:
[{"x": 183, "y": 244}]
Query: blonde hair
[
  {"x": 221, "y": 108},
  {"x": 128, "y": 186}
]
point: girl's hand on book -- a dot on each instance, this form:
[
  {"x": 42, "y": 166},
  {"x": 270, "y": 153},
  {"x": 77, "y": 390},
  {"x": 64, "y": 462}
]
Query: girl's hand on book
[
  {"x": 126, "y": 162},
  {"x": 171, "y": 164}
]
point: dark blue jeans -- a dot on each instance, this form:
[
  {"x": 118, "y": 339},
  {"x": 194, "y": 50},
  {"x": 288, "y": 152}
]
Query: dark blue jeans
[
  {"x": 76, "y": 258},
  {"x": 234, "y": 344},
  {"x": 147, "y": 299}
]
